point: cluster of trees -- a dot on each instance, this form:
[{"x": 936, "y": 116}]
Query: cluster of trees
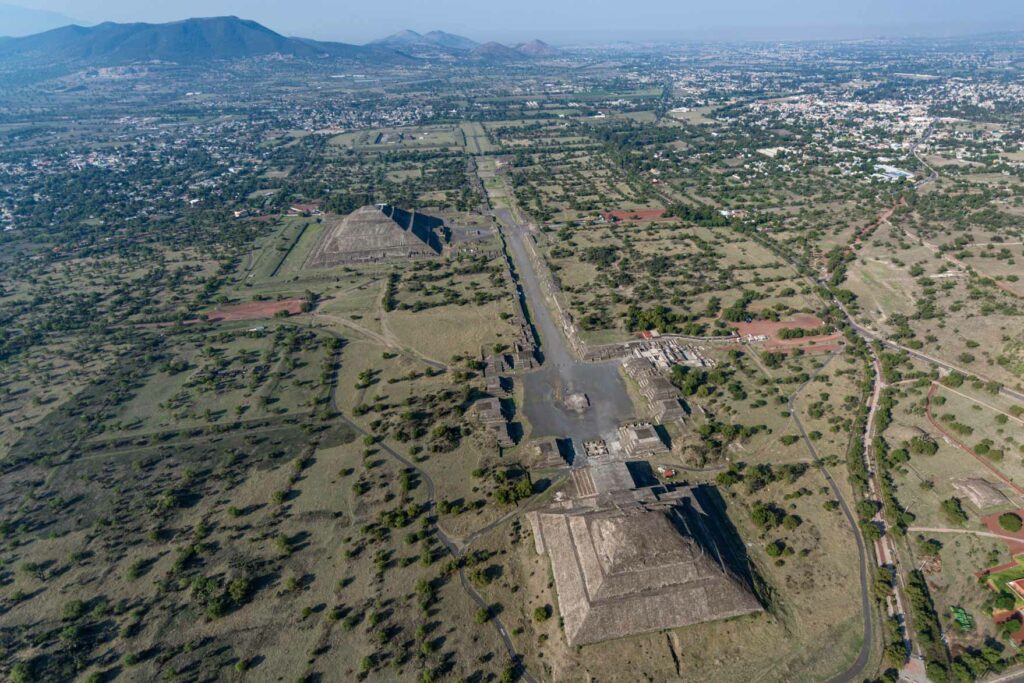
[
  {"x": 391, "y": 291},
  {"x": 704, "y": 215},
  {"x": 926, "y": 624},
  {"x": 665, "y": 320},
  {"x": 513, "y": 485},
  {"x": 761, "y": 475}
]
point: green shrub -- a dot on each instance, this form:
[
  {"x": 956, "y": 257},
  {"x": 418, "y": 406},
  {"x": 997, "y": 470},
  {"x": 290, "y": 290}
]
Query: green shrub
[{"x": 1010, "y": 521}]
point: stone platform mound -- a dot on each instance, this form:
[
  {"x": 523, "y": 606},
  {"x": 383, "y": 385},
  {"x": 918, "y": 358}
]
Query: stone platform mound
[
  {"x": 377, "y": 233},
  {"x": 632, "y": 562}
]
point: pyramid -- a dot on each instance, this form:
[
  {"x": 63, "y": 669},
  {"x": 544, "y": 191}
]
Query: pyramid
[
  {"x": 378, "y": 232},
  {"x": 639, "y": 563}
]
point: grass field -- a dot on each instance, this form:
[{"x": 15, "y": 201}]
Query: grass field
[
  {"x": 418, "y": 137},
  {"x": 249, "y": 376},
  {"x": 476, "y": 138},
  {"x": 270, "y": 259}
]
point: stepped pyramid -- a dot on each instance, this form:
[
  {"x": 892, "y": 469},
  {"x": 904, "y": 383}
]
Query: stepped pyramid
[
  {"x": 631, "y": 562},
  {"x": 379, "y": 232}
]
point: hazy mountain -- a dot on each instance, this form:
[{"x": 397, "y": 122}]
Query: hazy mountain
[
  {"x": 189, "y": 41},
  {"x": 450, "y": 40},
  {"x": 496, "y": 52},
  {"x": 538, "y": 48},
  {"x": 434, "y": 41},
  {"x": 438, "y": 43},
  {"x": 401, "y": 39},
  {"x": 23, "y": 21}
]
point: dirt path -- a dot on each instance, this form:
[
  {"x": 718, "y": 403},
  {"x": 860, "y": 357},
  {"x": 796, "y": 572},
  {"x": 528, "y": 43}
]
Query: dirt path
[
  {"x": 882, "y": 219},
  {"x": 886, "y": 552},
  {"x": 945, "y": 530},
  {"x": 390, "y": 342},
  {"x": 964, "y": 447},
  {"x": 450, "y": 545},
  {"x": 980, "y": 402}
]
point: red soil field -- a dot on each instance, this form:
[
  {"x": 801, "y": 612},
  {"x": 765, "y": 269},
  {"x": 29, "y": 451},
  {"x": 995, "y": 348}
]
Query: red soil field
[
  {"x": 822, "y": 343},
  {"x": 991, "y": 522},
  {"x": 641, "y": 215},
  {"x": 255, "y": 310}
]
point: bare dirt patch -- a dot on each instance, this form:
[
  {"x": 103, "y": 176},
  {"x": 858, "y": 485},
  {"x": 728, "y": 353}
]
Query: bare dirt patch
[
  {"x": 255, "y": 310},
  {"x": 821, "y": 343}
]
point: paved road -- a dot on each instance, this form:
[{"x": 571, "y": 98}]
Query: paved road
[
  {"x": 945, "y": 365},
  {"x": 853, "y": 673}
]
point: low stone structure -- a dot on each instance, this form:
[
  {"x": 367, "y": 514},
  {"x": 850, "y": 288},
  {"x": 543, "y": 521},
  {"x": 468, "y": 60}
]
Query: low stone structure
[
  {"x": 488, "y": 411},
  {"x": 547, "y": 454},
  {"x": 595, "y": 448},
  {"x": 982, "y": 493},
  {"x": 662, "y": 396},
  {"x": 641, "y": 438}
]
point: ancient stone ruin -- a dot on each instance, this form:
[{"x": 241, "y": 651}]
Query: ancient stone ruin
[
  {"x": 378, "y": 233},
  {"x": 629, "y": 561}
]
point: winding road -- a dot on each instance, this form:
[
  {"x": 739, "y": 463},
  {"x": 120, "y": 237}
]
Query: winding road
[{"x": 853, "y": 672}]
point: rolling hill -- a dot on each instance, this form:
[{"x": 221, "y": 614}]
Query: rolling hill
[
  {"x": 497, "y": 52},
  {"x": 538, "y": 48},
  {"x": 438, "y": 43},
  {"x": 432, "y": 42}
]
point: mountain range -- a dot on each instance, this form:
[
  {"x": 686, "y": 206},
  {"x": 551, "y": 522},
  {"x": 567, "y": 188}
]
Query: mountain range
[
  {"x": 434, "y": 40},
  {"x": 189, "y": 41},
  {"x": 197, "y": 41},
  {"x": 442, "y": 43}
]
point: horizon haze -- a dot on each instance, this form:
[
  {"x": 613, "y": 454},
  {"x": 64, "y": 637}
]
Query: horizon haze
[{"x": 645, "y": 21}]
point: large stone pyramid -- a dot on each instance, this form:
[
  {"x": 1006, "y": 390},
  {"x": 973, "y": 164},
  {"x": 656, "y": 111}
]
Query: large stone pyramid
[
  {"x": 637, "y": 562},
  {"x": 379, "y": 232}
]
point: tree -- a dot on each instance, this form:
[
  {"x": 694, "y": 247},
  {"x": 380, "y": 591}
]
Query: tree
[
  {"x": 239, "y": 589},
  {"x": 21, "y": 673},
  {"x": 954, "y": 511},
  {"x": 766, "y": 516},
  {"x": 1010, "y": 521}
]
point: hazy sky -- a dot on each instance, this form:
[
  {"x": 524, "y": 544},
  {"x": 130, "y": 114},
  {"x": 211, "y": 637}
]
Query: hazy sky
[{"x": 575, "y": 20}]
